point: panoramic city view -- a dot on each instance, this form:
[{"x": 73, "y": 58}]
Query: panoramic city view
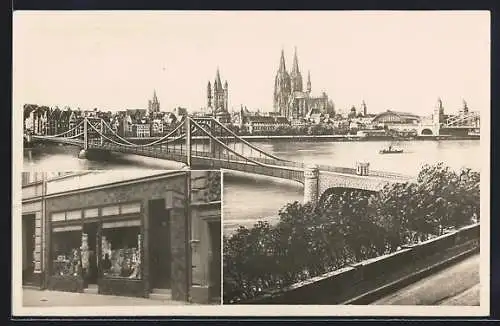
[{"x": 348, "y": 149}]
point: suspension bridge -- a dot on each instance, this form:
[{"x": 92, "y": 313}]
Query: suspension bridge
[{"x": 204, "y": 142}]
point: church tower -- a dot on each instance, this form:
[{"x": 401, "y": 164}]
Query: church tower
[
  {"x": 226, "y": 96},
  {"x": 364, "y": 109},
  {"x": 209, "y": 96},
  {"x": 154, "y": 105},
  {"x": 296, "y": 77},
  {"x": 282, "y": 88},
  {"x": 217, "y": 97}
]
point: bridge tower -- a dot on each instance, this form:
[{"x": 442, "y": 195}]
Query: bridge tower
[
  {"x": 437, "y": 117},
  {"x": 83, "y": 152},
  {"x": 188, "y": 140},
  {"x": 311, "y": 175},
  {"x": 102, "y": 130},
  {"x": 211, "y": 141}
]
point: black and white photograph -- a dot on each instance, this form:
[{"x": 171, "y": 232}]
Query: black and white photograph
[
  {"x": 225, "y": 162},
  {"x": 114, "y": 238}
]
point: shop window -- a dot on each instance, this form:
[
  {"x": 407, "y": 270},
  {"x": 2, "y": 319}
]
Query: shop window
[
  {"x": 58, "y": 216},
  {"x": 110, "y": 210},
  {"x": 74, "y": 215},
  {"x": 130, "y": 208},
  {"x": 66, "y": 260},
  {"x": 91, "y": 212},
  {"x": 121, "y": 250}
]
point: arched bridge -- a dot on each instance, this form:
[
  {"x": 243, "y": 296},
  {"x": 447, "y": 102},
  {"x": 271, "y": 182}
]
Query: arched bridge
[{"x": 204, "y": 142}]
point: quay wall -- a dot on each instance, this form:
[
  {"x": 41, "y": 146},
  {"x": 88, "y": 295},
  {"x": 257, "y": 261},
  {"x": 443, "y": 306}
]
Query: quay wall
[{"x": 369, "y": 280}]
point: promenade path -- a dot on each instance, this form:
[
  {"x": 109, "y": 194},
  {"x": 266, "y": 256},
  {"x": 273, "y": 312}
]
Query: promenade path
[{"x": 457, "y": 285}]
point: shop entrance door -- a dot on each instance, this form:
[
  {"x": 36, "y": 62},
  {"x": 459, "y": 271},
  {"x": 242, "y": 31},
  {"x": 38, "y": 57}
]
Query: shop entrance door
[
  {"x": 92, "y": 273},
  {"x": 215, "y": 262},
  {"x": 28, "y": 248},
  {"x": 159, "y": 244}
]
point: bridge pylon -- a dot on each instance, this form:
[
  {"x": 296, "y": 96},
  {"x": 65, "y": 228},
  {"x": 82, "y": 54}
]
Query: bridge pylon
[
  {"x": 311, "y": 176},
  {"x": 85, "y": 134},
  {"x": 211, "y": 141},
  {"x": 102, "y": 131},
  {"x": 187, "y": 125}
]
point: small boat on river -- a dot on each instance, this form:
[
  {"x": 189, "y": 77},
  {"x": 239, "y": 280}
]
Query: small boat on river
[{"x": 391, "y": 150}]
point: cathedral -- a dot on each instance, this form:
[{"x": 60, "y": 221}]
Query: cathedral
[{"x": 290, "y": 99}]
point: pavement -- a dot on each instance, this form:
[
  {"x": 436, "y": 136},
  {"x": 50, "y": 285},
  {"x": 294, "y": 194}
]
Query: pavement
[
  {"x": 457, "y": 285},
  {"x": 37, "y": 298}
]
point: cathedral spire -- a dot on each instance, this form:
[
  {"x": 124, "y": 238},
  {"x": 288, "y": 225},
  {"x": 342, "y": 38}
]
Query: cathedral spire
[
  {"x": 308, "y": 81},
  {"x": 296, "y": 77},
  {"x": 295, "y": 68},
  {"x": 282, "y": 61}
]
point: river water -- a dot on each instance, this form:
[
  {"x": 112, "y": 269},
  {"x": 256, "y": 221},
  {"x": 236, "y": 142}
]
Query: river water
[{"x": 249, "y": 198}]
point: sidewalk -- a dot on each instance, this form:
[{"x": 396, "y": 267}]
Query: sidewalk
[{"x": 37, "y": 298}]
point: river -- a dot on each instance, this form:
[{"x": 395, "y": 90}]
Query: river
[{"x": 248, "y": 198}]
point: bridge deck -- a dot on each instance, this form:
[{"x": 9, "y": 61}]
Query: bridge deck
[{"x": 225, "y": 160}]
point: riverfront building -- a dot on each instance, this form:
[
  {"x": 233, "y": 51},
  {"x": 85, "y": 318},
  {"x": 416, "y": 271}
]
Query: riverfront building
[
  {"x": 395, "y": 118},
  {"x": 154, "y": 234}
]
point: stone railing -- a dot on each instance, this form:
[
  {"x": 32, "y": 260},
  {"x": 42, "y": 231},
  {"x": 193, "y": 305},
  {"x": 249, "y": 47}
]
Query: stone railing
[{"x": 366, "y": 281}]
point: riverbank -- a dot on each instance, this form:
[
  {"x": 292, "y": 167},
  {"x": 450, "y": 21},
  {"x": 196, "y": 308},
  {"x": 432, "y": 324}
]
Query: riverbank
[{"x": 319, "y": 138}]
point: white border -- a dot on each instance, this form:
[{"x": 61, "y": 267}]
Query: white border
[{"x": 243, "y": 310}]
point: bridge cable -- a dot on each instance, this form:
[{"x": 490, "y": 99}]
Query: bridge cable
[
  {"x": 148, "y": 144},
  {"x": 246, "y": 142},
  {"x": 127, "y": 145},
  {"x": 63, "y": 133},
  {"x": 229, "y": 149}
]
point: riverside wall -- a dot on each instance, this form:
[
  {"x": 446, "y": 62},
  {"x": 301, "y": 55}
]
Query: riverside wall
[{"x": 368, "y": 280}]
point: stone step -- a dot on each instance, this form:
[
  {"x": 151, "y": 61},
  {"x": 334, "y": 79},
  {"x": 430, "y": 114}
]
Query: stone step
[
  {"x": 91, "y": 288},
  {"x": 160, "y": 296},
  {"x": 162, "y": 291}
]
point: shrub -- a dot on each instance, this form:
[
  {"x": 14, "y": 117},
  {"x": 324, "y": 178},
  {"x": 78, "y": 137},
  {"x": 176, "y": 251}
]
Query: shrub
[{"x": 346, "y": 227}]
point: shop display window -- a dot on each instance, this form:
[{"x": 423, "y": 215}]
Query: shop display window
[
  {"x": 121, "y": 252},
  {"x": 66, "y": 258}
]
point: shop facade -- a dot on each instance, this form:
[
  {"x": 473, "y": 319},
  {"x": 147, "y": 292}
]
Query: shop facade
[
  {"x": 32, "y": 222},
  {"x": 118, "y": 234}
]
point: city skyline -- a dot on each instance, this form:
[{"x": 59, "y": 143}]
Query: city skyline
[{"x": 400, "y": 61}]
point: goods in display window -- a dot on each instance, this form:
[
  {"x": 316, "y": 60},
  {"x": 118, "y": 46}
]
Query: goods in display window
[
  {"x": 67, "y": 265},
  {"x": 66, "y": 252},
  {"x": 121, "y": 256}
]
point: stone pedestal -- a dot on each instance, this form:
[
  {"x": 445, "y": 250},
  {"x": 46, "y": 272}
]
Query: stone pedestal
[
  {"x": 362, "y": 168},
  {"x": 311, "y": 174}
]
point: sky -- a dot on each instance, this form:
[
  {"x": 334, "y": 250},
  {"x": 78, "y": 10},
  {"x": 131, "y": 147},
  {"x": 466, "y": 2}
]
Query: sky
[{"x": 114, "y": 60}]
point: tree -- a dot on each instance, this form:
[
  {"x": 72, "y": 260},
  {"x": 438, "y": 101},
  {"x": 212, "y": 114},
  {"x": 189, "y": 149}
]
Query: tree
[{"x": 347, "y": 226}]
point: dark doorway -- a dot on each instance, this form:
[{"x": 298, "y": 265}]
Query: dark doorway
[
  {"x": 215, "y": 262},
  {"x": 28, "y": 248},
  {"x": 159, "y": 244},
  {"x": 91, "y": 274}
]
